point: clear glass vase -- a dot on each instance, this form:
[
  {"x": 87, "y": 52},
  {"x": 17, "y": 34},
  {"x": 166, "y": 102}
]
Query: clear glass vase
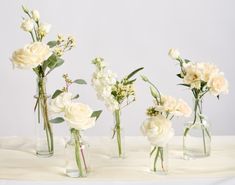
[
  {"x": 118, "y": 137},
  {"x": 76, "y": 152},
  {"x": 197, "y": 137},
  {"x": 159, "y": 159},
  {"x": 44, "y": 133}
]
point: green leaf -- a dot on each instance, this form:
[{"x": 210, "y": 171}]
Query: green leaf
[
  {"x": 186, "y": 61},
  {"x": 96, "y": 114},
  {"x": 179, "y": 75},
  {"x": 130, "y": 82},
  {"x": 56, "y": 93},
  {"x": 134, "y": 72},
  {"x": 57, "y": 120},
  {"x": 187, "y": 85},
  {"x": 79, "y": 81},
  {"x": 217, "y": 97},
  {"x": 36, "y": 70},
  {"x": 52, "y": 44},
  {"x": 75, "y": 97},
  {"x": 154, "y": 92},
  {"x": 52, "y": 61}
]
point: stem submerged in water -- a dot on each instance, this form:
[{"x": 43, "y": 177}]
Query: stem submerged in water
[
  {"x": 41, "y": 105},
  {"x": 117, "y": 131}
]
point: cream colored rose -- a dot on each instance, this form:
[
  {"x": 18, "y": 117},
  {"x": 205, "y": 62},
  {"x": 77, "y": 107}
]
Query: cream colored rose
[
  {"x": 58, "y": 104},
  {"x": 168, "y": 104},
  {"x": 174, "y": 53},
  {"x": 78, "y": 116},
  {"x": 208, "y": 71},
  {"x": 44, "y": 29},
  {"x": 31, "y": 55},
  {"x": 193, "y": 75},
  {"x": 182, "y": 109},
  {"x": 35, "y": 15},
  {"x": 218, "y": 84},
  {"x": 27, "y": 25},
  {"x": 158, "y": 130}
]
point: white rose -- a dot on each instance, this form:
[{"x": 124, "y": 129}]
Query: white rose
[
  {"x": 35, "y": 15},
  {"x": 78, "y": 116},
  {"x": 218, "y": 84},
  {"x": 27, "y": 25},
  {"x": 158, "y": 130},
  {"x": 58, "y": 104},
  {"x": 31, "y": 55},
  {"x": 44, "y": 29},
  {"x": 193, "y": 75},
  {"x": 174, "y": 53},
  {"x": 182, "y": 109}
]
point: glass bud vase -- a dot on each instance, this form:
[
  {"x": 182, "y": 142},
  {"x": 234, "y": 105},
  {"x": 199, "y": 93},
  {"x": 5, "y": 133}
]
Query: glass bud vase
[
  {"x": 159, "y": 159},
  {"x": 197, "y": 137},
  {"x": 76, "y": 155},
  {"x": 44, "y": 134},
  {"x": 118, "y": 138}
]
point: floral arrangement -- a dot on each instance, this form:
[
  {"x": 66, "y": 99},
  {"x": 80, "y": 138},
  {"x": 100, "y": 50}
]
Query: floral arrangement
[
  {"x": 201, "y": 79},
  {"x": 114, "y": 93},
  {"x": 158, "y": 127},
  {"x": 78, "y": 116},
  {"x": 42, "y": 58}
]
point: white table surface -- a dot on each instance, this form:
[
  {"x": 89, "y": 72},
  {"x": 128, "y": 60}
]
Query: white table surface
[{"x": 19, "y": 165}]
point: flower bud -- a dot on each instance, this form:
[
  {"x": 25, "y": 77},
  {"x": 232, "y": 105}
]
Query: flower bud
[
  {"x": 27, "y": 25},
  {"x": 35, "y": 15},
  {"x": 174, "y": 53}
]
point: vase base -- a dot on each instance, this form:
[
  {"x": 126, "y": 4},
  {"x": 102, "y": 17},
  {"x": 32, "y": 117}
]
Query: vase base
[
  {"x": 159, "y": 172},
  {"x": 44, "y": 154},
  {"x": 74, "y": 173},
  {"x": 194, "y": 155}
]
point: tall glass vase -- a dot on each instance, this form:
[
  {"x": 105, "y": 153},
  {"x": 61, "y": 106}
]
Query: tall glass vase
[
  {"x": 159, "y": 159},
  {"x": 76, "y": 155},
  {"x": 44, "y": 134},
  {"x": 118, "y": 139},
  {"x": 197, "y": 137}
]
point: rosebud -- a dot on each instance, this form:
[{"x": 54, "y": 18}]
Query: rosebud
[
  {"x": 35, "y": 15},
  {"x": 44, "y": 29},
  {"x": 174, "y": 53},
  {"x": 27, "y": 25}
]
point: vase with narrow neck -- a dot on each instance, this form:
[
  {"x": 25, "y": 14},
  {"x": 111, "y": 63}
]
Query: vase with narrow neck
[
  {"x": 197, "y": 137},
  {"x": 76, "y": 155},
  {"x": 118, "y": 139},
  {"x": 44, "y": 134},
  {"x": 159, "y": 159}
]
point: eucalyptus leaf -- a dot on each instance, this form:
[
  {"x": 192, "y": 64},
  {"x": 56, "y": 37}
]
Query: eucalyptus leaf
[
  {"x": 79, "y": 81},
  {"x": 57, "y": 120},
  {"x": 52, "y": 44},
  {"x": 96, "y": 114},
  {"x": 56, "y": 93},
  {"x": 134, "y": 72}
]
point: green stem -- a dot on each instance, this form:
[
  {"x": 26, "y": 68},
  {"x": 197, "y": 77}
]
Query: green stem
[
  {"x": 155, "y": 159},
  {"x": 42, "y": 104},
  {"x": 78, "y": 151},
  {"x": 118, "y": 131}
]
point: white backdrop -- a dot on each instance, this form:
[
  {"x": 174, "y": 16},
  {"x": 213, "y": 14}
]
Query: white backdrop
[{"x": 128, "y": 34}]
